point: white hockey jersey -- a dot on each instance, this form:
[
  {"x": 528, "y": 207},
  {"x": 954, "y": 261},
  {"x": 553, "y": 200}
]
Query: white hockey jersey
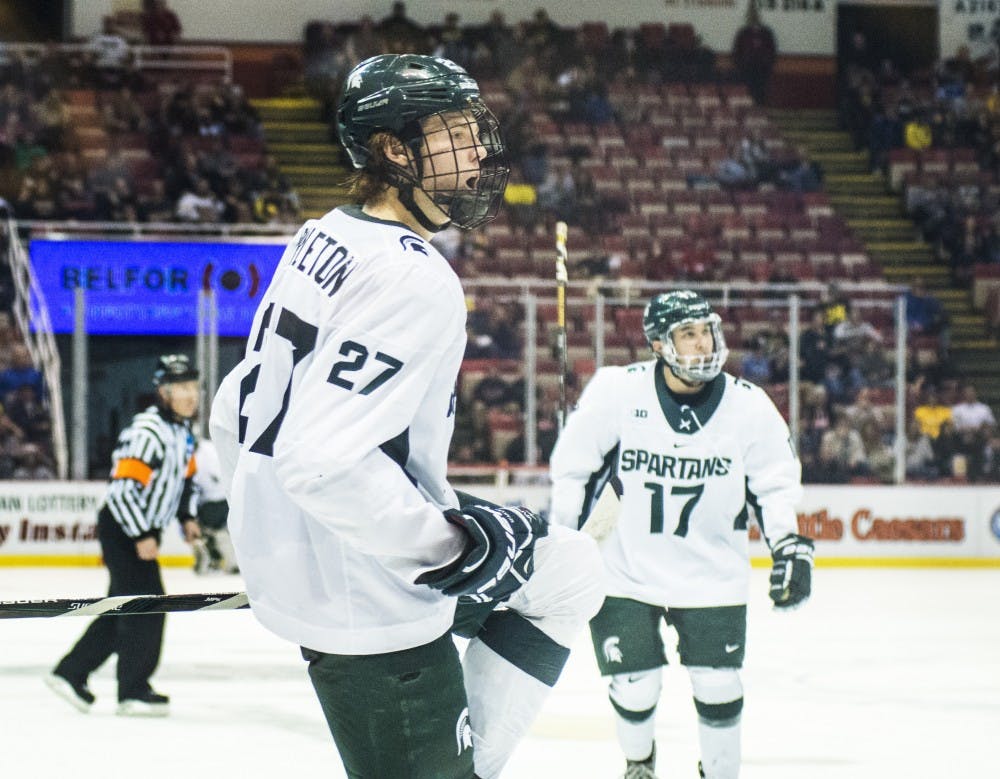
[
  {"x": 336, "y": 427},
  {"x": 689, "y": 468}
]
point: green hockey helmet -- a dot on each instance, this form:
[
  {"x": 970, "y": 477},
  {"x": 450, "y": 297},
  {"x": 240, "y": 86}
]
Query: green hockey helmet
[
  {"x": 398, "y": 93},
  {"x": 668, "y": 311}
]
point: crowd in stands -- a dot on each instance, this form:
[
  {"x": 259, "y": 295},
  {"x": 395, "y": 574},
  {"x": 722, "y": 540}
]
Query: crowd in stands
[
  {"x": 85, "y": 135},
  {"x": 590, "y": 118},
  {"x": 664, "y": 167},
  {"x": 25, "y": 422},
  {"x": 936, "y": 136}
]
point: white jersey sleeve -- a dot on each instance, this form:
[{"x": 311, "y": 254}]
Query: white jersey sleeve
[
  {"x": 773, "y": 470},
  {"x": 583, "y": 458},
  {"x": 223, "y": 428}
]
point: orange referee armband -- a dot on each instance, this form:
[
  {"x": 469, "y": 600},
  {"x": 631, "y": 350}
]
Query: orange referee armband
[{"x": 133, "y": 469}]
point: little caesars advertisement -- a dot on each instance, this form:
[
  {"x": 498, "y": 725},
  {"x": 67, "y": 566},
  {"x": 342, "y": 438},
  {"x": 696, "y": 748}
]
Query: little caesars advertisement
[
  {"x": 54, "y": 523},
  {"x": 912, "y": 525}
]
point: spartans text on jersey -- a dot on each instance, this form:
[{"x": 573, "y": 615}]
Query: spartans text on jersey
[{"x": 674, "y": 467}]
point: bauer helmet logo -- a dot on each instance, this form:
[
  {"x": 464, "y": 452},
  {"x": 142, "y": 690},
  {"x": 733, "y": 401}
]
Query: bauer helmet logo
[{"x": 612, "y": 652}]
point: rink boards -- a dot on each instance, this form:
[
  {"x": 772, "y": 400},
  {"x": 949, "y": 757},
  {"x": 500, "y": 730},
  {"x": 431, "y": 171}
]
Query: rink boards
[{"x": 53, "y": 523}]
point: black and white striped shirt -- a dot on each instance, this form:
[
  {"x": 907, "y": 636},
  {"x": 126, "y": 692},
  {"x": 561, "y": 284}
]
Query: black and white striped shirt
[{"x": 151, "y": 474}]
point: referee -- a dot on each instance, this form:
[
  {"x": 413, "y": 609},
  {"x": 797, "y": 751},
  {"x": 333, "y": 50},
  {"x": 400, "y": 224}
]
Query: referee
[{"x": 151, "y": 482}]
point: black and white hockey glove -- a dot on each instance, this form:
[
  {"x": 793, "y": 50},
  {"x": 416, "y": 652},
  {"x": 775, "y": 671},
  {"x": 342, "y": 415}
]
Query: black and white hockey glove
[
  {"x": 791, "y": 571},
  {"x": 498, "y": 556}
]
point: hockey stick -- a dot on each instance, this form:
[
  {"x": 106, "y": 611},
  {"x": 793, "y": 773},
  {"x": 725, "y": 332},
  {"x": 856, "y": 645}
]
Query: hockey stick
[
  {"x": 604, "y": 516},
  {"x": 123, "y": 605},
  {"x": 562, "y": 279}
]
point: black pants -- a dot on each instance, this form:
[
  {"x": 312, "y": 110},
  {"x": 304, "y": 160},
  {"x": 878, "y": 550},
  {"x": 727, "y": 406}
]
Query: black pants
[
  {"x": 136, "y": 639},
  {"x": 400, "y": 715}
]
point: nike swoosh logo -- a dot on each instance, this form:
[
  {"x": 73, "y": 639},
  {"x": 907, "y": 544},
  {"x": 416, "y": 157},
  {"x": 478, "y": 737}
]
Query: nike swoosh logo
[{"x": 730, "y": 648}]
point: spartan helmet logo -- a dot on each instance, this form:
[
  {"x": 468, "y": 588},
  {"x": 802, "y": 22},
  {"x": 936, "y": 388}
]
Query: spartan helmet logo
[
  {"x": 463, "y": 732},
  {"x": 612, "y": 652}
]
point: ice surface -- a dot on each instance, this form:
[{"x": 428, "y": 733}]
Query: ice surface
[{"x": 884, "y": 674}]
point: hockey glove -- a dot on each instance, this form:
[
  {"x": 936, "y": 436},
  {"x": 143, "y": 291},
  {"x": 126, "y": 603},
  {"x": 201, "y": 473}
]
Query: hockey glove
[
  {"x": 791, "y": 571},
  {"x": 498, "y": 556}
]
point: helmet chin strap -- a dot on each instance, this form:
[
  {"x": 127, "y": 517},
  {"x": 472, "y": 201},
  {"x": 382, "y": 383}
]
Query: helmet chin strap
[
  {"x": 405, "y": 182},
  {"x": 681, "y": 379},
  {"x": 410, "y": 204}
]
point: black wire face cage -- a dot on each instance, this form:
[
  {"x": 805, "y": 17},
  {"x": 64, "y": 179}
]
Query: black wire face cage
[{"x": 461, "y": 163}]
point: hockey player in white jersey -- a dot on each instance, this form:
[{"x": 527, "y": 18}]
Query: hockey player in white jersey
[
  {"x": 336, "y": 427},
  {"x": 692, "y": 449}
]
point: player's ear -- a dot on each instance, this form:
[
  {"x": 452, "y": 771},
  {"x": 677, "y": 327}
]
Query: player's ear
[{"x": 392, "y": 148}]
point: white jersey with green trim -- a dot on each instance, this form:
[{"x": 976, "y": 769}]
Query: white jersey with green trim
[
  {"x": 689, "y": 467},
  {"x": 335, "y": 430}
]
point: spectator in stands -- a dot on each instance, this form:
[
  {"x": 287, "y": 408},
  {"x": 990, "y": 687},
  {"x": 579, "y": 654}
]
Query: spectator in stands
[
  {"x": 841, "y": 384},
  {"x": 199, "y": 204},
  {"x": 801, "y": 175},
  {"x": 541, "y": 34},
  {"x": 117, "y": 204},
  {"x": 814, "y": 349},
  {"x": 32, "y": 464},
  {"x": 755, "y": 51},
  {"x": 104, "y": 177},
  {"x": 546, "y": 433},
  {"x": 873, "y": 365},
  {"x": 11, "y": 438},
  {"x": 884, "y": 134},
  {"x": 501, "y": 44},
  {"x": 972, "y": 415},
  {"x": 156, "y": 206},
  {"x": 110, "y": 56},
  {"x": 160, "y": 25},
  {"x": 364, "y": 41},
  {"x": 813, "y": 423},
  {"x": 878, "y": 452},
  {"x": 122, "y": 113},
  {"x": 931, "y": 413},
  {"x": 952, "y": 452},
  {"x": 529, "y": 78},
  {"x": 26, "y": 410},
  {"x": 52, "y": 118},
  {"x": 921, "y": 463},
  {"x": 962, "y": 244},
  {"x": 732, "y": 173},
  {"x": 755, "y": 365},
  {"x": 862, "y": 411},
  {"x": 492, "y": 391},
  {"x": 850, "y": 335},
  {"x": 842, "y": 453},
  {"x": 35, "y": 199},
  {"x": 924, "y": 313},
  {"x": 326, "y": 64},
  {"x": 22, "y": 371},
  {"x": 453, "y": 43},
  {"x": 835, "y": 307},
  {"x": 400, "y": 34}
]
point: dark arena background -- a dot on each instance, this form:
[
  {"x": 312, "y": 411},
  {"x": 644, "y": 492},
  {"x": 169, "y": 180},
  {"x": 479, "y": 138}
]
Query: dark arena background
[{"x": 826, "y": 173}]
